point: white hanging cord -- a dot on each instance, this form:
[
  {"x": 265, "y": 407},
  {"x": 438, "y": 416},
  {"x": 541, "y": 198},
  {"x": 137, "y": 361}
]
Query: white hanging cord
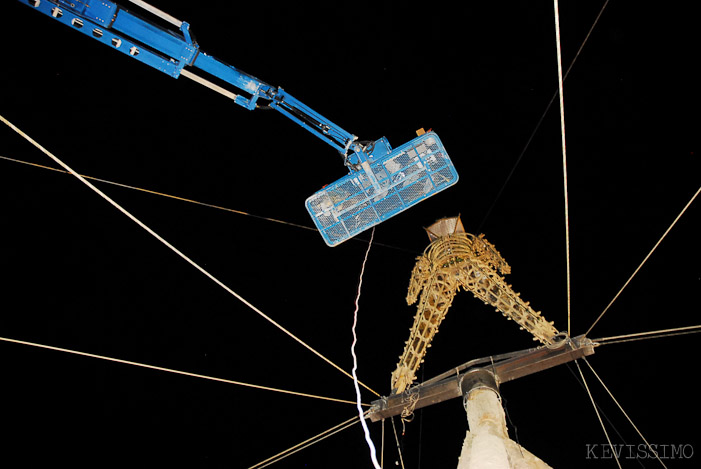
[
  {"x": 176, "y": 251},
  {"x": 624, "y": 412},
  {"x": 373, "y": 452},
  {"x": 597, "y": 414},
  {"x": 644, "y": 260},
  {"x": 170, "y": 370},
  {"x": 564, "y": 160}
]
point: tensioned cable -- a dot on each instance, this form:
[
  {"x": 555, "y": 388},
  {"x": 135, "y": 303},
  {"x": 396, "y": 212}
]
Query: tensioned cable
[
  {"x": 178, "y": 252},
  {"x": 191, "y": 201},
  {"x": 178, "y": 372},
  {"x": 613, "y": 427},
  {"x": 396, "y": 439},
  {"x": 644, "y": 260},
  {"x": 382, "y": 451},
  {"x": 540, "y": 121},
  {"x": 597, "y": 413},
  {"x": 623, "y": 411},
  {"x": 161, "y": 194},
  {"x": 648, "y": 335},
  {"x": 564, "y": 158},
  {"x": 306, "y": 443}
]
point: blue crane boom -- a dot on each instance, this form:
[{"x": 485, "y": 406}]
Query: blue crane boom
[{"x": 382, "y": 182}]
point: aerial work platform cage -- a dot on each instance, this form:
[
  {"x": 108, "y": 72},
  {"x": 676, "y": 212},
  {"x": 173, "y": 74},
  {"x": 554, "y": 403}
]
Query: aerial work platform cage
[{"x": 385, "y": 187}]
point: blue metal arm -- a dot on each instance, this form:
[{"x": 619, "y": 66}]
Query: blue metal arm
[
  {"x": 382, "y": 182},
  {"x": 171, "y": 51}
]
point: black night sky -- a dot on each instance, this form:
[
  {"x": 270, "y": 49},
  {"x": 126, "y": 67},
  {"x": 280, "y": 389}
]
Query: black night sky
[{"x": 80, "y": 275}]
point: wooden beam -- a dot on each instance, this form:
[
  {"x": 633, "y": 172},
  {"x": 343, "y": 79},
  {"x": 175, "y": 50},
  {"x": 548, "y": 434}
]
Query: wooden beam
[{"x": 449, "y": 384}]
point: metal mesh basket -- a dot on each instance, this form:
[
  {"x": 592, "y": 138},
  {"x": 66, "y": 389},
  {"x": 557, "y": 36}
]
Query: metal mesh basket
[{"x": 402, "y": 178}]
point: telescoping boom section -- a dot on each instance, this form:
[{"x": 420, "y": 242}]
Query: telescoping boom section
[{"x": 381, "y": 183}]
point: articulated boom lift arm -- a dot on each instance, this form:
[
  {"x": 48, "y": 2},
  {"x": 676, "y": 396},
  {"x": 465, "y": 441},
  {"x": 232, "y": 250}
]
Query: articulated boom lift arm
[
  {"x": 382, "y": 182},
  {"x": 171, "y": 51}
]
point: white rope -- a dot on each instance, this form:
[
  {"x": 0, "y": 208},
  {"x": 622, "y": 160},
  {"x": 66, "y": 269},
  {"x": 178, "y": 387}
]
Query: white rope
[
  {"x": 373, "y": 452},
  {"x": 564, "y": 161},
  {"x": 175, "y": 250}
]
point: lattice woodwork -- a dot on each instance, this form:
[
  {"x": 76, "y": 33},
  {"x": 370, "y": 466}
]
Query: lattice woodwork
[{"x": 455, "y": 260}]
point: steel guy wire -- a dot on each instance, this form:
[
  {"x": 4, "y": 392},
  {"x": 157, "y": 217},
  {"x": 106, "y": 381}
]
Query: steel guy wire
[
  {"x": 603, "y": 427},
  {"x": 170, "y": 370},
  {"x": 644, "y": 261},
  {"x": 624, "y": 412},
  {"x": 195, "y": 202},
  {"x": 306, "y": 443},
  {"x": 177, "y": 251}
]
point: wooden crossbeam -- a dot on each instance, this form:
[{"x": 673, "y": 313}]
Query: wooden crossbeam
[{"x": 505, "y": 368}]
